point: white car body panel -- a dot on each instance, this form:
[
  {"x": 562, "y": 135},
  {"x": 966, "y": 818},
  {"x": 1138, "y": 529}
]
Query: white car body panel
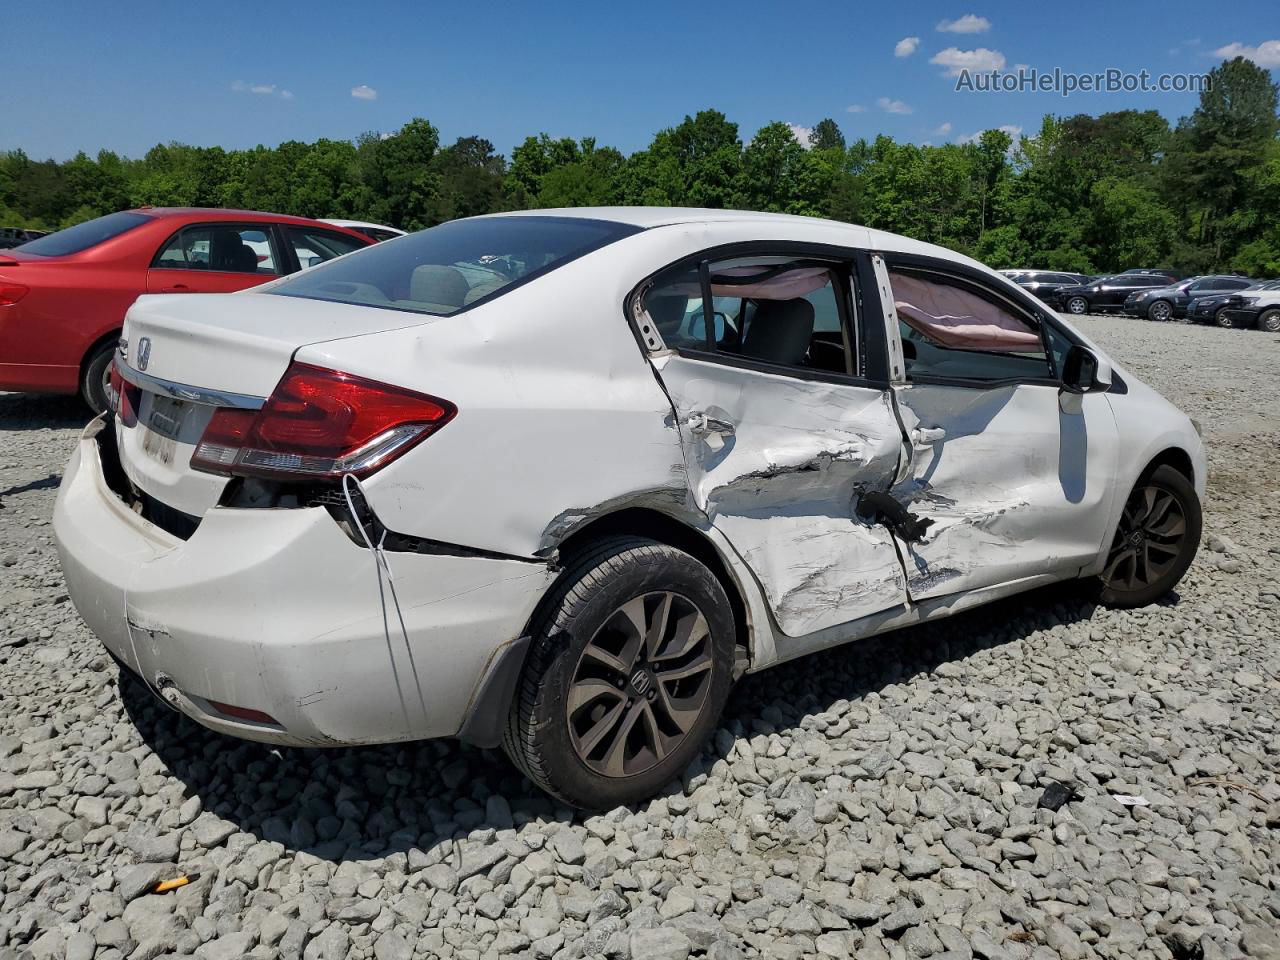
[{"x": 565, "y": 418}]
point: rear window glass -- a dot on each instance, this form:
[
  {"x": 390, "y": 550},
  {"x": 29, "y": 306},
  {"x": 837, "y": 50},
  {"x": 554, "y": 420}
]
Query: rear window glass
[
  {"x": 82, "y": 236},
  {"x": 455, "y": 265}
]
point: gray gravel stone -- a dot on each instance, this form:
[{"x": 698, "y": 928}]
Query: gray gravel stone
[{"x": 877, "y": 801}]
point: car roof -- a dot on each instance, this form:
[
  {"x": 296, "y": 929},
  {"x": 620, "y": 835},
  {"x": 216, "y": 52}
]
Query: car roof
[
  {"x": 782, "y": 226},
  {"x": 221, "y": 213}
]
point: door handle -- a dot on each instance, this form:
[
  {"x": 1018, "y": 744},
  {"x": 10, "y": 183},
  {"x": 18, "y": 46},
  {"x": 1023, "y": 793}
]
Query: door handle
[
  {"x": 701, "y": 425},
  {"x": 176, "y": 288},
  {"x": 922, "y": 436}
]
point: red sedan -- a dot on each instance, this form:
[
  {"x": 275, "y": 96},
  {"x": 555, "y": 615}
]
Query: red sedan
[{"x": 63, "y": 297}]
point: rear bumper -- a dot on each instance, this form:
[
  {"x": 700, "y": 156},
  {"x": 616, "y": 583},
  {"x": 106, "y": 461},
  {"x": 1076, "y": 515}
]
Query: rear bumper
[{"x": 276, "y": 610}]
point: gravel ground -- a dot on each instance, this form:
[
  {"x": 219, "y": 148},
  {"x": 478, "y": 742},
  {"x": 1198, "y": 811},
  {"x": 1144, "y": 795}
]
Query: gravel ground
[{"x": 874, "y": 801}]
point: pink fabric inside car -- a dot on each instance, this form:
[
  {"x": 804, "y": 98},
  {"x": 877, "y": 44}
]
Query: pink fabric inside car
[
  {"x": 952, "y": 317},
  {"x": 784, "y": 285}
]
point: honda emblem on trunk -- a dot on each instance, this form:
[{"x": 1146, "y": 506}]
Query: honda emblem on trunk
[{"x": 144, "y": 352}]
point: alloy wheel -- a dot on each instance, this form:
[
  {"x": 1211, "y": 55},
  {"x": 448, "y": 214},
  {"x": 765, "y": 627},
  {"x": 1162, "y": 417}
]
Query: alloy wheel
[
  {"x": 1270, "y": 321},
  {"x": 1077, "y": 305},
  {"x": 1223, "y": 319},
  {"x": 640, "y": 684},
  {"x": 1148, "y": 541},
  {"x": 1161, "y": 310}
]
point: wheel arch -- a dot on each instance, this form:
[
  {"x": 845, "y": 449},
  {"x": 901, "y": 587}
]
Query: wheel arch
[
  {"x": 655, "y": 525},
  {"x": 1174, "y": 457},
  {"x": 109, "y": 336}
]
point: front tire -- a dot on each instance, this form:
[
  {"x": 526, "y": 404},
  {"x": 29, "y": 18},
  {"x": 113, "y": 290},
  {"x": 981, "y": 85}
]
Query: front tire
[
  {"x": 1224, "y": 320},
  {"x": 94, "y": 374},
  {"x": 1077, "y": 306},
  {"x": 1155, "y": 542},
  {"x": 1160, "y": 311},
  {"x": 1269, "y": 321},
  {"x": 629, "y": 668}
]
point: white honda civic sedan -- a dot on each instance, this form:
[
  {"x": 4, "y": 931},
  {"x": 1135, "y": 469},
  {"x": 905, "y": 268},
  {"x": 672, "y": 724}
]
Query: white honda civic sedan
[{"x": 555, "y": 480}]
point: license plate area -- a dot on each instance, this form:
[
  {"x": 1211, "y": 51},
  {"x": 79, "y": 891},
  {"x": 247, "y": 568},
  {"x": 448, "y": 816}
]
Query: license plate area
[{"x": 165, "y": 420}]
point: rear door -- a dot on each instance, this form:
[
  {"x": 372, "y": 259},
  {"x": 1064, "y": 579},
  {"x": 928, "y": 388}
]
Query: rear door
[
  {"x": 1014, "y": 477},
  {"x": 783, "y": 425},
  {"x": 215, "y": 258}
]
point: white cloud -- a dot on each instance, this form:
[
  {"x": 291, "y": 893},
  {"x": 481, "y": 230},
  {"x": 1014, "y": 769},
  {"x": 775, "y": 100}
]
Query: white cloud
[
  {"x": 892, "y": 106},
  {"x": 364, "y": 92},
  {"x": 801, "y": 134},
  {"x": 1265, "y": 54},
  {"x": 969, "y": 23},
  {"x": 942, "y": 130},
  {"x": 975, "y": 61},
  {"x": 855, "y": 108},
  {"x": 906, "y": 46},
  {"x": 261, "y": 89}
]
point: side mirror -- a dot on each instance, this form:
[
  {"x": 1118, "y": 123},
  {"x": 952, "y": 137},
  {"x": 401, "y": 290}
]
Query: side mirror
[{"x": 1083, "y": 372}]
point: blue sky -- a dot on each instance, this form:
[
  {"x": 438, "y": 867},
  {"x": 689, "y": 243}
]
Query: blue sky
[{"x": 86, "y": 75}]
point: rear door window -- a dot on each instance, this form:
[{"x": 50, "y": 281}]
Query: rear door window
[
  {"x": 772, "y": 310},
  {"x": 220, "y": 248}
]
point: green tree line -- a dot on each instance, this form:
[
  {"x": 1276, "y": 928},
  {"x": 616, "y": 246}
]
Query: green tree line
[{"x": 1082, "y": 193}]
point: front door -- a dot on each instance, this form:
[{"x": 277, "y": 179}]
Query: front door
[
  {"x": 780, "y": 438},
  {"x": 1014, "y": 475}
]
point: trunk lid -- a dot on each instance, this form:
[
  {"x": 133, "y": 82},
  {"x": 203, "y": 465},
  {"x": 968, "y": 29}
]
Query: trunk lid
[{"x": 215, "y": 350}]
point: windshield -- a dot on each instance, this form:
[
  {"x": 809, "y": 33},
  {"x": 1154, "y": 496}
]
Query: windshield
[
  {"x": 453, "y": 266},
  {"x": 82, "y": 236}
]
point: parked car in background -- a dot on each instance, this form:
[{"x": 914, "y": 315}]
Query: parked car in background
[
  {"x": 1172, "y": 275},
  {"x": 1105, "y": 294},
  {"x": 374, "y": 231},
  {"x": 12, "y": 236},
  {"x": 1045, "y": 284},
  {"x": 1210, "y": 307},
  {"x": 1167, "y": 303},
  {"x": 63, "y": 296},
  {"x": 1260, "y": 309},
  {"x": 615, "y": 458}
]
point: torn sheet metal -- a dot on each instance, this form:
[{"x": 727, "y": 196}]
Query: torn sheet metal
[
  {"x": 1014, "y": 485},
  {"x": 778, "y": 465}
]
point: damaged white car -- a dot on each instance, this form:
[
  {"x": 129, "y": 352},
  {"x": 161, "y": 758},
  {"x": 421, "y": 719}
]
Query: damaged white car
[{"x": 555, "y": 480}]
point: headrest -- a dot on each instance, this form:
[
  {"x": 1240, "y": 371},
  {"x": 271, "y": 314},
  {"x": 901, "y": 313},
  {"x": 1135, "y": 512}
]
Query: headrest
[
  {"x": 433, "y": 283},
  {"x": 779, "y": 331}
]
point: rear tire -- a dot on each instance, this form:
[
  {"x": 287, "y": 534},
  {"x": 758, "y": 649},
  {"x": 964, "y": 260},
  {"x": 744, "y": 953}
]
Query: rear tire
[
  {"x": 1269, "y": 321},
  {"x": 1155, "y": 542},
  {"x": 93, "y": 376},
  {"x": 615, "y": 723}
]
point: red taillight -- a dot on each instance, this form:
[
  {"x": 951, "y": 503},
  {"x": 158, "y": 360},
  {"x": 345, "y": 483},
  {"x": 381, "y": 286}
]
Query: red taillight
[
  {"x": 122, "y": 397},
  {"x": 320, "y": 423},
  {"x": 11, "y": 293}
]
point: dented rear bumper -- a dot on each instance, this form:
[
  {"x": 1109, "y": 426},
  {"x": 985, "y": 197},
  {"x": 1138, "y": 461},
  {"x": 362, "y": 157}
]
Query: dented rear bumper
[{"x": 276, "y": 610}]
